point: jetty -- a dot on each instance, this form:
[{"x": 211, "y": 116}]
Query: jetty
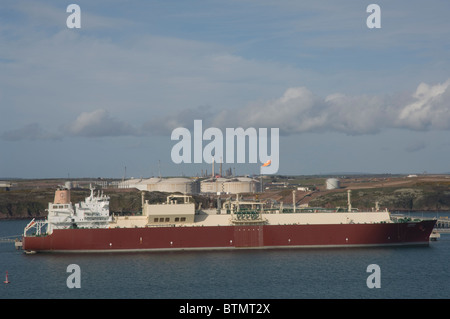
[{"x": 12, "y": 239}]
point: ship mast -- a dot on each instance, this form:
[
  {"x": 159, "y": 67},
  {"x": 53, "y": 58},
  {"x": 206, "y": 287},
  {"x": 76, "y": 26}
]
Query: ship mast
[{"x": 349, "y": 195}]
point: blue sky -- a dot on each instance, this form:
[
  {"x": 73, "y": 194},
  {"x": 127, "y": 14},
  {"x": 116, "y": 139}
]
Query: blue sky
[{"x": 87, "y": 102}]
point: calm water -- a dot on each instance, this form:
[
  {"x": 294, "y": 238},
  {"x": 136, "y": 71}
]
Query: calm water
[{"x": 415, "y": 272}]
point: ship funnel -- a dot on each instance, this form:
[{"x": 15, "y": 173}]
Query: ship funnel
[{"x": 62, "y": 196}]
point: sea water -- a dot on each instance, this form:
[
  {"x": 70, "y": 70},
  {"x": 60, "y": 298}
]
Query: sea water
[{"x": 404, "y": 272}]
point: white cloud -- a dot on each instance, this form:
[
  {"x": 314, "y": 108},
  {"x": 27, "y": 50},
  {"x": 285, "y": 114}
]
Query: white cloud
[
  {"x": 298, "y": 110},
  {"x": 430, "y": 108},
  {"x": 97, "y": 124}
]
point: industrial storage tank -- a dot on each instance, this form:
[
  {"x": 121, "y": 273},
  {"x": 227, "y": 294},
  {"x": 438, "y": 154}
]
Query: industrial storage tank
[
  {"x": 157, "y": 184},
  {"x": 333, "y": 183},
  {"x": 175, "y": 185},
  {"x": 146, "y": 183},
  {"x": 230, "y": 186},
  {"x": 140, "y": 184},
  {"x": 213, "y": 185},
  {"x": 132, "y": 183},
  {"x": 240, "y": 185}
]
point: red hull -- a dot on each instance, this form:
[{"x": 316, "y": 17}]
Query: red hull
[{"x": 226, "y": 237}]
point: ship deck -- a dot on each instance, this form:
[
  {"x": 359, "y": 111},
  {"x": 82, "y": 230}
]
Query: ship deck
[{"x": 212, "y": 218}]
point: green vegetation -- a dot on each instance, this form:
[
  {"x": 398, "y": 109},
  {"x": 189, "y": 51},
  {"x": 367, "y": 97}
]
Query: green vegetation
[{"x": 418, "y": 197}]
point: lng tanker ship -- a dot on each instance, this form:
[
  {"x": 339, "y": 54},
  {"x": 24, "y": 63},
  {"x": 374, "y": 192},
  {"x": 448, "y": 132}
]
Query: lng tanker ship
[{"x": 177, "y": 225}]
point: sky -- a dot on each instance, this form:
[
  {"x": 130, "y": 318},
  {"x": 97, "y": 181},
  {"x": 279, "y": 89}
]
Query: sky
[{"x": 103, "y": 100}]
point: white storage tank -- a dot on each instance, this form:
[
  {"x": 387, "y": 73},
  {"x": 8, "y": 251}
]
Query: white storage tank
[
  {"x": 213, "y": 185},
  {"x": 140, "y": 184},
  {"x": 333, "y": 183},
  {"x": 181, "y": 185},
  {"x": 241, "y": 185},
  {"x": 230, "y": 186}
]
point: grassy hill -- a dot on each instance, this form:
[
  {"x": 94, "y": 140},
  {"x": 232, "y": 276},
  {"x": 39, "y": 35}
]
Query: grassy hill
[{"x": 418, "y": 197}]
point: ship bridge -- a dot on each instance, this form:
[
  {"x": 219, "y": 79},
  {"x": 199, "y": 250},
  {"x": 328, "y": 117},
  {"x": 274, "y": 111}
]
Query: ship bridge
[{"x": 171, "y": 211}]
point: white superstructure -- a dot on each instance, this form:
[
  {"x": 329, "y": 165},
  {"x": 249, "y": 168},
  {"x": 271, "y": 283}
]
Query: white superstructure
[{"x": 92, "y": 213}]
